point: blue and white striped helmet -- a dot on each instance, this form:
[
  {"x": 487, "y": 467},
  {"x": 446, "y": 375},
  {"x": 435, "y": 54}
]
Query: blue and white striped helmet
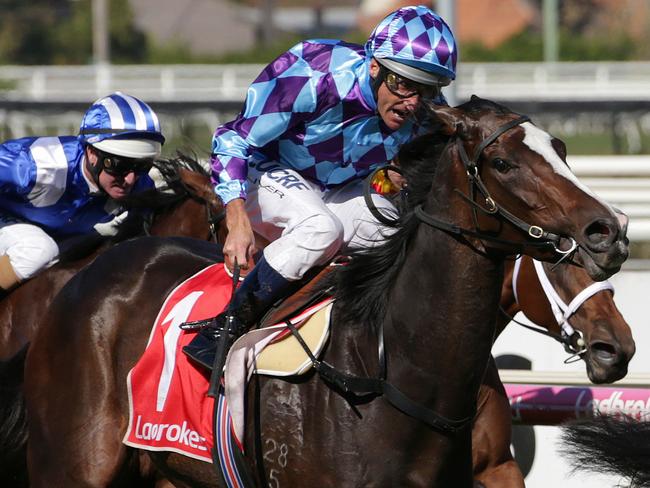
[
  {"x": 122, "y": 125},
  {"x": 416, "y": 43}
]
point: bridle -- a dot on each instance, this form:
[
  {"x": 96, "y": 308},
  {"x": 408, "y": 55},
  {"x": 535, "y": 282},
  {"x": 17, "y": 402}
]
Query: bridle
[
  {"x": 361, "y": 386},
  {"x": 540, "y": 237},
  {"x": 571, "y": 338},
  {"x": 213, "y": 219}
]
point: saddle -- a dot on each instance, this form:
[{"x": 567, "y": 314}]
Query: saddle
[{"x": 309, "y": 290}]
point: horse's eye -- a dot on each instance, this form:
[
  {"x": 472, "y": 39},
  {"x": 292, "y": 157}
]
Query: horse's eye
[{"x": 500, "y": 165}]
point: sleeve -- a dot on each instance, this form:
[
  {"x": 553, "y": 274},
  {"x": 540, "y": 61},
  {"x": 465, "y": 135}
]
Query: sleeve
[
  {"x": 283, "y": 95},
  {"x": 17, "y": 169}
]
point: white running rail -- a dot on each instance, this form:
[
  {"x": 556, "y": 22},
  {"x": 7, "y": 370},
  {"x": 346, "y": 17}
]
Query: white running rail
[{"x": 498, "y": 81}]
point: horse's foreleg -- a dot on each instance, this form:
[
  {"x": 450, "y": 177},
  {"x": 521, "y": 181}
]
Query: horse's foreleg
[
  {"x": 494, "y": 466},
  {"x": 505, "y": 475}
]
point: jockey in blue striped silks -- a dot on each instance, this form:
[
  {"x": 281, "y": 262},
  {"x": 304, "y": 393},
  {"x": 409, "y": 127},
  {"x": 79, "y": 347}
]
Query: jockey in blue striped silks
[
  {"x": 315, "y": 122},
  {"x": 53, "y": 188}
]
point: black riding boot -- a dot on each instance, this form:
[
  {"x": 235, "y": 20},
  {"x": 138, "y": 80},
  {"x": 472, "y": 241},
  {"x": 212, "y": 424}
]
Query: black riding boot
[{"x": 261, "y": 287}]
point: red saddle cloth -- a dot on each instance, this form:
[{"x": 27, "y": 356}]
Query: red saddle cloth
[
  {"x": 168, "y": 404},
  {"x": 169, "y": 409}
]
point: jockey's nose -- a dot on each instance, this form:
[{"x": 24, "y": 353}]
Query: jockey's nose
[
  {"x": 130, "y": 177},
  {"x": 411, "y": 103}
]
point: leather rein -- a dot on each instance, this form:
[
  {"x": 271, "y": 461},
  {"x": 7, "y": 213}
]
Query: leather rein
[
  {"x": 541, "y": 238},
  {"x": 363, "y": 386}
]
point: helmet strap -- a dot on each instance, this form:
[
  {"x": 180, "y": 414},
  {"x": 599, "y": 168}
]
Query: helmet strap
[{"x": 95, "y": 169}]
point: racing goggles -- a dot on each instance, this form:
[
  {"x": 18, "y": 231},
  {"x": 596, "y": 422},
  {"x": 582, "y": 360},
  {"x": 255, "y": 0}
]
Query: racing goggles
[
  {"x": 405, "y": 88},
  {"x": 122, "y": 166}
]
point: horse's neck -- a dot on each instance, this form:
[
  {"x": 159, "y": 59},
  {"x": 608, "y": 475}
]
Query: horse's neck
[
  {"x": 447, "y": 331},
  {"x": 508, "y": 300}
]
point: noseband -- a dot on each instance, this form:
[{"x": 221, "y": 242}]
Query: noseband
[
  {"x": 569, "y": 337},
  {"x": 542, "y": 238}
]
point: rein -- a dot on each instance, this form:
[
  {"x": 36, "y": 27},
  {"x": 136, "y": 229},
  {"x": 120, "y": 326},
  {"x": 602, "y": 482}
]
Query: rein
[
  {"x": 570, "y": 338},
  {"x": 475, "y": 183},
  {"x": 361, "y": 386},
  {"x": 542, "y": 238}
]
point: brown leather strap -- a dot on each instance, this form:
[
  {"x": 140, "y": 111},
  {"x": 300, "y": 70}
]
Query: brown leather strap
[{"x": 298, "y": 300}]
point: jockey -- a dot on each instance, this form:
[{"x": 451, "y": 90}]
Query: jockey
[
  {"x": 54, "y": 188},
  {"x": 315, "y": 122}
]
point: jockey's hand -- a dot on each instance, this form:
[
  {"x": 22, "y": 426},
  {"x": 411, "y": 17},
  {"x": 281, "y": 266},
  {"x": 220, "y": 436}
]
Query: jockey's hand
[
  {"x": 112, "y": 227},
  {"x": 240, "y": 242}
]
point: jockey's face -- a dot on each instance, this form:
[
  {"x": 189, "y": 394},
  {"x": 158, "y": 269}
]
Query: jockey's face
[
  {"x": 117, "y": 185},
  {"x": 393, "y": 108}
]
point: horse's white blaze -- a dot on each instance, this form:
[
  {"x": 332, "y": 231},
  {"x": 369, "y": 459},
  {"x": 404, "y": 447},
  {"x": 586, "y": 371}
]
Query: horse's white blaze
[{"x": 540, "y": 142}]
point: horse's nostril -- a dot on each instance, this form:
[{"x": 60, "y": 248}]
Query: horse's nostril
[
  {"x": 597, "y": 231},
  {"x": 603, "y": 351},
  {"x": 600, "y": 233}
]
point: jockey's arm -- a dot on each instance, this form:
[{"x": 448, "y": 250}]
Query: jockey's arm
[{"x": 240, "y": 242}]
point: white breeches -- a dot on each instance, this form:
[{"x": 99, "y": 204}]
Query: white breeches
[
  {"x": 305, "y": 225},
  {"x": 29, "y": 248}
]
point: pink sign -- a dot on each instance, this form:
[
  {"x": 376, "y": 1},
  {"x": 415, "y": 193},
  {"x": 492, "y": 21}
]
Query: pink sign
[{"x": 551, "y": 405}]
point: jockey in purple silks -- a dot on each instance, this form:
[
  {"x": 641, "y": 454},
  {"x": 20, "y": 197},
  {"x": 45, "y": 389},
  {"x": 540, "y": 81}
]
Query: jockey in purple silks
[
  {"x": 56, "y": 188},
  {"x": 315, "y": 122}
]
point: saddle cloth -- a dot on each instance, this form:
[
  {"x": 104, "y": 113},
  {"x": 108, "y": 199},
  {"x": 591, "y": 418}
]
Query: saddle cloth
[{"x": 168, "y": 404}]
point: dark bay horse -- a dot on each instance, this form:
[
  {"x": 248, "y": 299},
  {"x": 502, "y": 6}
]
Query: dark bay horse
[
  {"x": 181, "y": 206},
  {"x": 175, "y": 205},
  {"x": 608, "y": 348},
  {"x": 430, "y": 292}
]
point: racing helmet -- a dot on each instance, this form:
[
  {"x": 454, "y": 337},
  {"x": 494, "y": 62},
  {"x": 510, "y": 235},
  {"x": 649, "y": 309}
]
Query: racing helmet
[
  {"x": 417, "y": 44},
  {"x": 122, "y": 125}
]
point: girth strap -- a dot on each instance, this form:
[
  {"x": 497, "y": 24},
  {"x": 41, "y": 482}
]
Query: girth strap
[{"x": 363, "y": 386}]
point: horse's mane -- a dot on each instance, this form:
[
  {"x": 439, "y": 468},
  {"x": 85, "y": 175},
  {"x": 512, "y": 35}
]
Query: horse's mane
[
  {"x": 363, "y": 284},
  {"x": 169, "y": 192},
  {"x": 171, "y": 189},
  {"x": 476, "y": 105}
]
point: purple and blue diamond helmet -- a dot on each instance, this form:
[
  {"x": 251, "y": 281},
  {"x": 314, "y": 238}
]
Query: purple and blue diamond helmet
[
  {"x": 417, "y": 44},
  {"x": 122, "y": 125}
]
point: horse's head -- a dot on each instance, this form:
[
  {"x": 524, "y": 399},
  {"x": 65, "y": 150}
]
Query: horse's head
[
  {"x": 565, "y": 298},
  {"x": 522, "y": 192},
  {"x": 196, "y": 211}
]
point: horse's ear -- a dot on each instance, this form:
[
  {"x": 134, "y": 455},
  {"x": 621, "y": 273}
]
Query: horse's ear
[{"x": 446, "y": 119}]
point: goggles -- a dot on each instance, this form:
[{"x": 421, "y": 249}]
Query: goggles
[
  {"x": 405, "y": 88},
  {"x": 121, "y": 166}
]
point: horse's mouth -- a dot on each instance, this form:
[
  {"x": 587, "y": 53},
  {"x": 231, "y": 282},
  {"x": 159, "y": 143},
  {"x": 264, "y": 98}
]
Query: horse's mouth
[
  {"x": 605, "y": 364},
  {"x": 600, "y": 266}
]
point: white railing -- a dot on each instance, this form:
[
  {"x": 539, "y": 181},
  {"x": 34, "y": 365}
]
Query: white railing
[
  {"x": 624, "y": 181},
  {"x": 499, "y": 81},
  {"x": 567, "y": 378}
]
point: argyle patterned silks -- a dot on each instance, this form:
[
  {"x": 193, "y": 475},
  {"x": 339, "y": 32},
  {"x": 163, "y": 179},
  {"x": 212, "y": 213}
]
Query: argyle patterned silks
[
  {"x": 313, "y": 110},
  {"x": 418, "y": 37}
]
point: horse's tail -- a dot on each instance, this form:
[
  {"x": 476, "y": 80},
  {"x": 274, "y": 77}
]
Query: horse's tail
[
  {"x": 616, "y": 445},
  {"x": 13, "y": 422}
]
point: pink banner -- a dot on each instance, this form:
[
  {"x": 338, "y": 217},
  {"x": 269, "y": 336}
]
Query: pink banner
[{"x": 551, "y": 405}]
